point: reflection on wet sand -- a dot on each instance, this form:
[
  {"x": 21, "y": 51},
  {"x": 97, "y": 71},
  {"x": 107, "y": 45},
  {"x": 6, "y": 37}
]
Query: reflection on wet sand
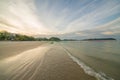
[{"x": 25, "y": 64}]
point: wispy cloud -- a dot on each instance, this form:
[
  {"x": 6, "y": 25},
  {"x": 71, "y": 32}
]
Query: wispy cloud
[
  {"x": 111, "y": 29},
  {"x": 60, "y": 17},
  {"x": 20, "y": 17}
]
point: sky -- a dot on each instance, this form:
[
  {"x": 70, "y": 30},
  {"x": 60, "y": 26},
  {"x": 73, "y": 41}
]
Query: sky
[{"x": 77, "y": 19}]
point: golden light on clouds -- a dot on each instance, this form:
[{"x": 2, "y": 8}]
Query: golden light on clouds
[
  {"x": 38, "y": 17},
  {"x": 108, "y": 33}
]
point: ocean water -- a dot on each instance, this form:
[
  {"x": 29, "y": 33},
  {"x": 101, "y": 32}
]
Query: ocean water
[{"x": 98, "y": 58}]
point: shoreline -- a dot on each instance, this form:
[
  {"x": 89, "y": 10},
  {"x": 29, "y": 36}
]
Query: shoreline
[
  {"x": 58, "y": 65},
  {"x": 54, "y": 64}
]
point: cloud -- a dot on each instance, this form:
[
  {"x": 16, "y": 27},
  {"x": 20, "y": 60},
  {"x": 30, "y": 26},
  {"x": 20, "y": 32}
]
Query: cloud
[
  {"x": 107, "y": 33},
  {"x": 95, "y": 17},
  {"x": 111, "y": 29},
  {"x": 60, "y": 17},
  {"x": 20, "y": 15}
]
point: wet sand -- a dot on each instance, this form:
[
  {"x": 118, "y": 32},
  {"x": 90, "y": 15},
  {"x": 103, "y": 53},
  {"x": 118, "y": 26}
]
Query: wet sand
[
  {"x": 48, "y": 62},
  {"x": 11, "y": 48},
  {"x": 58, "y": 66}
]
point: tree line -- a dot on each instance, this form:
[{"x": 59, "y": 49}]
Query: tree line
[{"x": 6, "y": 36}]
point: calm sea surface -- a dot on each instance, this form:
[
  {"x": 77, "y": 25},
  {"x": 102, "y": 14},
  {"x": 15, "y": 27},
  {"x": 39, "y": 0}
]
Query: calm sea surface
[{"x": 102, "y": 56}]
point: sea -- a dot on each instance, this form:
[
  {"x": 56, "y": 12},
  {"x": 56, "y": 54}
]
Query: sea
[{"x": 100, "y": 59}]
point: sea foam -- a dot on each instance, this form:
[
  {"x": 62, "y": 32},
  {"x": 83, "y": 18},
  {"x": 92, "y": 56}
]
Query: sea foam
[{"x": 87, "y": 69}]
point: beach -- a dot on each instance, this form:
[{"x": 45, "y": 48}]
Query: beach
[
  {"x": 43, "y": 62},
  {"x": 17, "y": 47}
]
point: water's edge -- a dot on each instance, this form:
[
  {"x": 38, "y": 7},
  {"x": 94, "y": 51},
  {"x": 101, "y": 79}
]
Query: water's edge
[{"x": 87, "y": 69}]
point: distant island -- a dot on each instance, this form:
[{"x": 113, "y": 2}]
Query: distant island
[
  {"x": 96, "y": 39},
  {"x": 70, "y": 40}
]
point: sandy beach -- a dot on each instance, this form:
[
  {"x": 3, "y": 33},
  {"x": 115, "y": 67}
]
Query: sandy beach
[
  {"x": 58, "y": 66},
  {"x": 46, "y": 62},
  {"x": 8, "y": 48}
]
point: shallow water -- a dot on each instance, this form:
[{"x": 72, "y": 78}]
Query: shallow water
[{"x": 101, "y": 56}]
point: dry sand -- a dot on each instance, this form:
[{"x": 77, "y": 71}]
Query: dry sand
[{"x": 48, "y": 62}]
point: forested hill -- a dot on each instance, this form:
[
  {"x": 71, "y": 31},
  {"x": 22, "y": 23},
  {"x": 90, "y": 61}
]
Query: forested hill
[{"x": 7, "y": 36}]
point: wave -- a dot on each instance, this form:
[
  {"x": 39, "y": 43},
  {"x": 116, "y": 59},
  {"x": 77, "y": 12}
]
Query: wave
[{"x": 87, "y": 69}]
